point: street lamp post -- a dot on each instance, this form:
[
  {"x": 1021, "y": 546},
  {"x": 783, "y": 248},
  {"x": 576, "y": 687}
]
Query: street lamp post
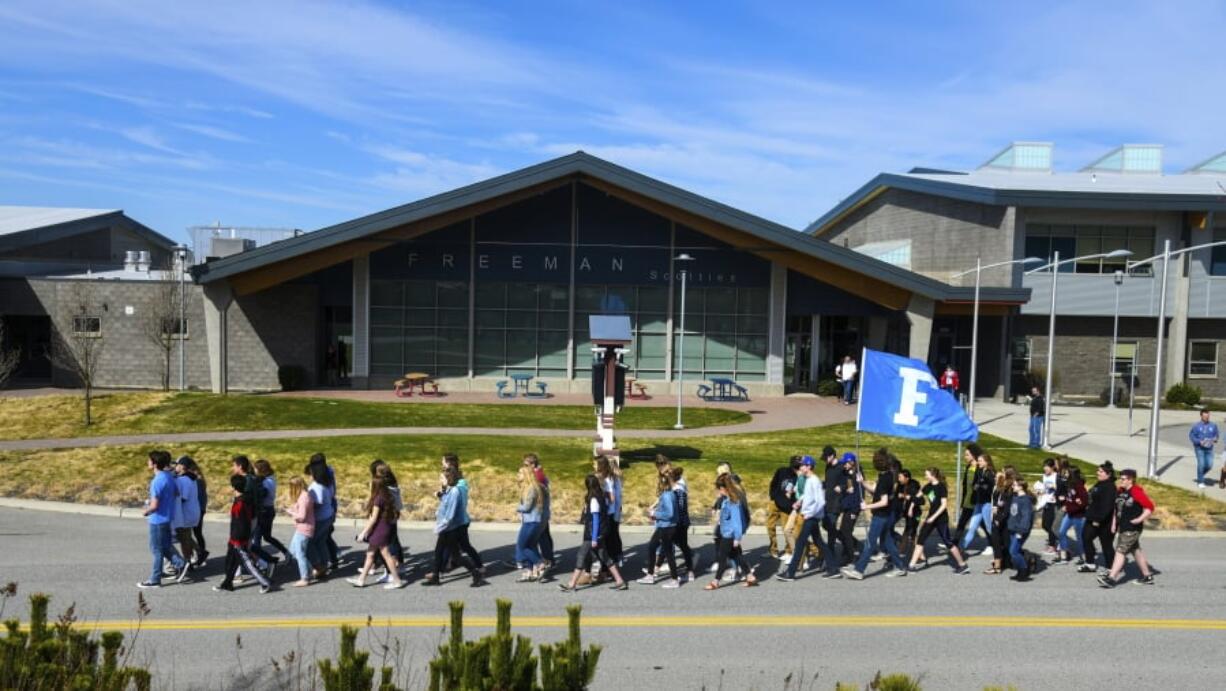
[
  {"x": 978, "y": 271},
  {"x": 1051, "y": 327},
  {"x": 181, "y": 253},
  {"x": 683, "y": 257},
  {"x": 1115, "y": 336},
  {"x": 1151, "y": 467}
]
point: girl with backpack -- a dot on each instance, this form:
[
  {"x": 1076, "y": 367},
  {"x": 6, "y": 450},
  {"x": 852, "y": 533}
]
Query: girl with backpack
[
  {"x": 731, "y": 529},
  {"x": 595, "y": 519},
  {"x": 202, "y": 500},
  {"x": 377, "y": 535}
]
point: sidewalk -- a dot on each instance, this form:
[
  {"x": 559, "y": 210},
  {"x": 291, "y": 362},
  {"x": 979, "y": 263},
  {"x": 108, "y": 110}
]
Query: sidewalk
[
  {"x": 769, "y": 415},
  {"x": 1101, "y": 434}
]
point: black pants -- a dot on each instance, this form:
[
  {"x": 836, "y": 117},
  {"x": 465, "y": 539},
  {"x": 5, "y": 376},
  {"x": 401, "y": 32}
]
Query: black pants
[
  {"x": 448, "y": 542},
  {"x": 725, "y": 551},
  {"x": 198, "y": 532},
  {"x": 662, "y": 541},
  {"x": 1000, "y": 543},
  {"x": 811, "y": 530},
  {"x": 847, "y": 523},
  {"x": 240, "y": 558},
  {"x": 586, "y": 553},
  {"x": 614, "y": 540},
  {"x": 264, "y": 521},
  {"x": 1049, "y": 524},
  {"x": 1102, "y": 533},
  {"x": 546, "y": 543},
  {"x": 909, "y": 531}
]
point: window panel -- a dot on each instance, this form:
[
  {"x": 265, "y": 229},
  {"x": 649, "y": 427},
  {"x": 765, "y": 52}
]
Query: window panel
[
  {"x": 491, "y": 295},
  {"x": 653, "y": 299},
  {"x": 588, "y": 298},
  {"x": 419, "y": 317},
  {"x": 653, "y": 322},
  {"x": 491, "y": 318},
  {"x": 385, "y": 316},
  {"x": 753, "y": 300},
  {"x": 419, "y": 294},
  {"x": 555, "y": 298},
  {"x": 555, "y": 320},
  {"x": 1202, "y": 359},
  {"x": 453, "y": 318},
  {"x": 521, "y": 320},
  {"x": 720, "y": 324},
  {"x": 387, "y": 293},
  {"x": 522, "y": 297},
  {"x": 747, "y": 324},
  {"x": 721, "y": 301},
  {"x": 453, "y": 294}
]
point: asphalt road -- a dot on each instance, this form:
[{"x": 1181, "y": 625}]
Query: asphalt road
[{"x": 958, "y": 632}]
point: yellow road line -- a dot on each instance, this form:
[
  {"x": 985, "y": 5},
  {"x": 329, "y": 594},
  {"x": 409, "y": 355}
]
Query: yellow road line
[{"x": 651, "y": 622}]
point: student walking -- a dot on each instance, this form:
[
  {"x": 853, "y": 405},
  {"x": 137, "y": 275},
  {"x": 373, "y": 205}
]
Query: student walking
[
  {"x": 1048, "y": 500},
  {"x": 451, "y": 506},
  {"x": 1204, "y": 436},
  {"x": 982, "y": 485},
  {"x": 610, "y": 476},
  {"x": 595, "y": 519},
  {"x": 782, "y": 492},
  {"x": 937, "y": 494},
  {"x": 202, "y": 500},
  {"x": 1132, "y": 507},
  {"x": 546, "y": 543},
  {"x": 1019, "y": 524},
  {"x": 731, "y": 529},
  {"x": 1099, "y": 526},
  {"x": 681, "y": 539},
  {"x": 909, "y": 507},
  {"x": 1002, "y": 499},
  {"x": 331, "y": 550},
  {"x": 266, "y": 514},
  {"x": 377, "y": 534},
  {"x": 832, "y": 483},
  {"x": 530, "y": 509},
  {"x": 242, "y": 520},
  {"x": 1075, "y": 502},
  {"x": 879, "y": 535},
  {"x": 664, "y": 513},
  {"x": 812, "y": 506},
  {"x": 186, "y": 510},
  {"x": 323, "y": 494},
  {"x": 850, "y": 500},
  {"x": 302, "y": 510},
  {"x": 462, "y": 518},
  {"x": 159, "y": 510},
  {"x": 380, "y": 470}
]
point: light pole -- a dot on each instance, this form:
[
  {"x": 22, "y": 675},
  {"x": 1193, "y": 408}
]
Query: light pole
[
  {"x": 181, "y": 254},
  {"x": 1151, "y": 466},
  {"x": 1055, "y": 264},
  {"x": 1115, "y": 337},
  {"x": 978, "y": 271},
  {"x": 683, "y": 257}
]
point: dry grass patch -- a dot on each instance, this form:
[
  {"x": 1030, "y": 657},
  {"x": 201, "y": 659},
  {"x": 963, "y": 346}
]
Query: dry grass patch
[{"x": 62, "y": 415}]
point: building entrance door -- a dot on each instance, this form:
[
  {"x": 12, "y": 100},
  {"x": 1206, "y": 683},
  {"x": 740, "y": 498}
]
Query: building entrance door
[
  {"x": 31, "y": 336},
  {"x": 798, "y": 353},
  {"x": 338, "y": 345}
]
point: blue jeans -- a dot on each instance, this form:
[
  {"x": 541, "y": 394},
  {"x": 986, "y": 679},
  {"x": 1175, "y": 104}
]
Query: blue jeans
[
  {"x": 879, "y": 536},
  {"x": 526, "y": 552},
  {"x": 298, "y": 548},
  {"x": 982, "y": 514},
  {"x": 317, "y": 548},
  {"x": 1204, "y": 463},
  {"x": 811, "y": 529},
  {"x": 1036, "y": 431},
  {"x": 1078, "y": 525},
  {"x": 1015, "y": 550},
  {"x": 849, "y": 388},
  {"x": 161, "y": 548}
]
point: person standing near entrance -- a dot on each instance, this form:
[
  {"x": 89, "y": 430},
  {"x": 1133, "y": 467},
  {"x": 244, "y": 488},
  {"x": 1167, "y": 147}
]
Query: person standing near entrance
[
  {"x": 846, "y": 374},
  {"x": 949, "y": 381},
  {"x": 1038, "y": 415},
  {"x": 1204, "y": 436}
]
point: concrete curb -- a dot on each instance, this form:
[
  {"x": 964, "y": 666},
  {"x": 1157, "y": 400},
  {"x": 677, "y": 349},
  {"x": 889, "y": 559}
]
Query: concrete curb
[{"x": 484, "y": 527}]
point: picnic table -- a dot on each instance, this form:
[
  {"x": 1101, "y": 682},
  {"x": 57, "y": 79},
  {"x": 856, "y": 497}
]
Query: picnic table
[
  {"x": 520, "y": 380},
  {"x": 419, "y": 380},
  {"x": 723, "y": 389},
  {"x": 631, "y": 385}
]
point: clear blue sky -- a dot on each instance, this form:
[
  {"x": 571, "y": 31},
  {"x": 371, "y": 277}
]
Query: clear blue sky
[{"x": 298, "y": 114}]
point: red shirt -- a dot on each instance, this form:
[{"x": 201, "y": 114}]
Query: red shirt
[{"x": 949, "y": 380}]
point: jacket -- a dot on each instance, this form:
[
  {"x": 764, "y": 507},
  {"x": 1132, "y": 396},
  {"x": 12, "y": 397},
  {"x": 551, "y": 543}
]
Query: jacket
[
  {"x": 682, "y": 492},
  {"x": 813, "y": 502},
  {"x": 783, "y": 480},
  {"x": 834, "y": 483},
  {"x": 449, "y": 508},
  {"x": 1203, "y": 435},
  {"x": 461, "y": 517},
  {"x": 1076, "y": 501},
  {"x": 731, "y": 522},
  {"x": 187, "y": 505},
  {"x": 303, "y": 513},
  {"x": 595, "y": 525},
  {"x": 1102, "y": 502},
  {"x": 982, "y": 486},
  {"x": 1021, "y": 515},
  {"x": 241, "y": 516},
  {"x": 665, "y": 514},
  {"x": 530, "y": 508}
]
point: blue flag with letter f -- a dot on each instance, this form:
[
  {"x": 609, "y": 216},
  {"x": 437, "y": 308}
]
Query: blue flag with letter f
[{"x": 900, "y": 397}]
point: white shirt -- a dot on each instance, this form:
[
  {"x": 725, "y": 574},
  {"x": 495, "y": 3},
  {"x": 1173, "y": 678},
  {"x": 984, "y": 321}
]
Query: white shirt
[{"x": 847, "y": 371}]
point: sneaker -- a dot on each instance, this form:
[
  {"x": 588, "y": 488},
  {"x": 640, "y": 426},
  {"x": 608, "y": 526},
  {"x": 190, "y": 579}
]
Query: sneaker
[
  {"x": 385, "y": 578},
  {"x": 832, "y": 575},
  {"x": 394, "y": 585},
  {"x": 713, "y": 568},
  {"x": 1086, "y": 568},
  {"x": 1058, "y": 561},
  {"x": 1049, "y": 550},
  {"x": 897, "y": 573},
  {"x": 146, "y": 585},
  {"x": 620, "y": 586},
  {"x": 1145, "y": 580},
  {"x": 182, "y": 574},
  {"x": 987, "y": 551},
  {"x": 202, "y": 558},
  {"x": 265, "y": 588},
  {"x": 431, "y": 582},
  {"x": 784, "y": 577},
  {"x": 804, "y": 566},
  {"x": 1201, "y": 485},
  {"x": 355, "y": 582},
  {"x": 477, "y": 583},
  {"x": 963, "y": 570},
  {"x": 853, "y": 574},
  {"x": 877, "y": 557},
  {"x": 785, "y": 559},
  {"x": 647, "y": 580},
  {"x": 223, "y": 588},
  {"x": 565, "y": 587},
  {"x": 1106, "y": 582},
  {"x": 671, "y": 584}
]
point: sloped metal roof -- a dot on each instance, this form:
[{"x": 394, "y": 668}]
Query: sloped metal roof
[
  {"x": 18, "y": 219},
  {"x": 581, "y": 163}
]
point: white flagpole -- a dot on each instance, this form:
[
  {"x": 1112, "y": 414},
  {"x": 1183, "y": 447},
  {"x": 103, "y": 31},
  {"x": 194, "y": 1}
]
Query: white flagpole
[{"x": 860, "y": 397}]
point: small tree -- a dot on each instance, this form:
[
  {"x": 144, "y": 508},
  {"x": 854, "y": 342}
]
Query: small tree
[
  {"x": 10, "y": 358},
  {"x": 161, "y": 324},
  {"x": 80, "y": 349}
]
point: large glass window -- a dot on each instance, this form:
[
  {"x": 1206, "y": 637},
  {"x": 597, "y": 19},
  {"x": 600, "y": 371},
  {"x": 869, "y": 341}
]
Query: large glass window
[
  {"x": 419, "y": 326},
  {"x": 1044, "y": 240},
  {"x": 725, "y": 332},
  {"x": 1202, "y": 359},
  {"x": 521, "y": 328},
  {"x": 647, "y": 307}
]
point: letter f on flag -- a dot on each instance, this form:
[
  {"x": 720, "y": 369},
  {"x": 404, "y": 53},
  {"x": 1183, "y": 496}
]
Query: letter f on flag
[{"x": 900, "y": 397}]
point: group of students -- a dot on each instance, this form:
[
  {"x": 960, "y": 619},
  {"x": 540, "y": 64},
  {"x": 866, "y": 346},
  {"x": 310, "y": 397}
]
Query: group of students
[{"x": 904, "y": 515}]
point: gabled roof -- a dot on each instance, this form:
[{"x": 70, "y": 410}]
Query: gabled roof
[
  {"x": 43, "y": 224},
  {"x": 1092, "y": 189},
  {"x": 585, "y": 165}
]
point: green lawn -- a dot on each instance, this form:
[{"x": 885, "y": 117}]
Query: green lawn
[
  {"x": 148, "y": 413},
  {"x": 116, "y": 475}
]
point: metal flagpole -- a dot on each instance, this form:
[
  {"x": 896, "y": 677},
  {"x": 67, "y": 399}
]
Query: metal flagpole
[{"x": 958, "y": 479}]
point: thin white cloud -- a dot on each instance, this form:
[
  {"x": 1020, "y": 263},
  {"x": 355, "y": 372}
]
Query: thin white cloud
[{"x": 212, "y": 132}]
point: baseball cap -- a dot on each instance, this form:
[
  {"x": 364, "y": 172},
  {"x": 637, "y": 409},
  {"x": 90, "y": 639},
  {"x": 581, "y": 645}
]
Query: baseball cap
[
  {"x": 807, "y": 460},
  {"x": 848, "y": 457}
]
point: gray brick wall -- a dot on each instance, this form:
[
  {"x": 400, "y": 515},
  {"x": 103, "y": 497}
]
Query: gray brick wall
[
  {"x": 1081, "y": 355},
  {"x": 946, "y": 234},
  {"x": 272, "y": 328}
]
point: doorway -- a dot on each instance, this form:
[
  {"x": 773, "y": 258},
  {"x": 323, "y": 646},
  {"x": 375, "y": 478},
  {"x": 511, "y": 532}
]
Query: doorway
[
  {"x": 31, "y": 335},
  {"x": 337, "y": 346},
  {"x": 798, "y": 353}
]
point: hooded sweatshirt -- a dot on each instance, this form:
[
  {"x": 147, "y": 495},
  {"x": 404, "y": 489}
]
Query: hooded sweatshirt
[
  {"x": 1102, "y": 502},
  {"x": 1021, "y": 515}
]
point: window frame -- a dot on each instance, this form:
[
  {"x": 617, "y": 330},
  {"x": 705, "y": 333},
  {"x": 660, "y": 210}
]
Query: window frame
[
  {"x": 86, "y": 333},
  {"x": 1202, "y": 341}
]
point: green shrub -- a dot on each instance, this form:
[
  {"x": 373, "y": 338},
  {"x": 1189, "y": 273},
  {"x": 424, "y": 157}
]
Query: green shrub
[
  {"x": 291, "y": 377},
  {"x": 829, "y": 387},
  {"x": 351, "y": 671},
  {"x": 61, "y": 657},
  {"x": 1183, "y": 394},
  {"x": 566, "y": 666},
  {"x": 894, "y": 682}
]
